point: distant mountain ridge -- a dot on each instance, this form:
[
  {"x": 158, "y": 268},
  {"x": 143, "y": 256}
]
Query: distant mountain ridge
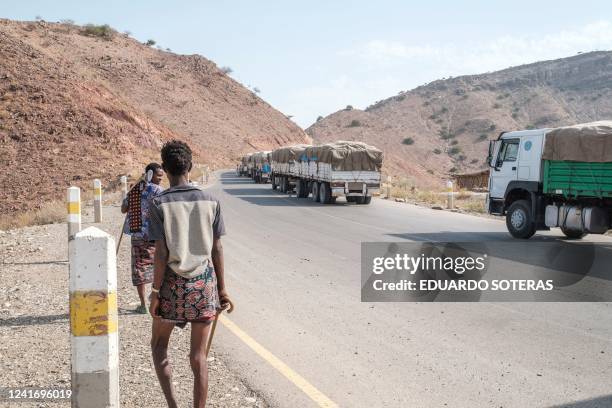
[{"x": 443, "y": 127}]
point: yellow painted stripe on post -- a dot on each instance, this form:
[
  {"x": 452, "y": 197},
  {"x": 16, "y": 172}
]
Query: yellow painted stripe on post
[
  {"x": 74, "y": 207},
  {"x": 93, "y": 313},
  {"x": 313, "y": 393},
  {"x": 98, "y": 191}
]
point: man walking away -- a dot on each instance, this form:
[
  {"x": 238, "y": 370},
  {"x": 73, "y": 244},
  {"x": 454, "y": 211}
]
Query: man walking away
[
  {"x": 188, "y": 283},
  {"x": 143, "y": 249}
]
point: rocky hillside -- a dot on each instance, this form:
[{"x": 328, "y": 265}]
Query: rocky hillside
[
  {"x": 443, "y": 127},
  {"x": 83, "y": 102}
]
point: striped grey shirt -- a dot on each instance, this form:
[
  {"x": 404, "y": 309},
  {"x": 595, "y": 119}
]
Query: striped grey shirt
[{"x": 188, "y": 219}]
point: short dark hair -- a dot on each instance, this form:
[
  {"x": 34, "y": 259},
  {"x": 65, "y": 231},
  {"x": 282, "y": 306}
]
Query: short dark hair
[
  {"x": 176, "y": 157},
  {"x": 152, "y": 166}
]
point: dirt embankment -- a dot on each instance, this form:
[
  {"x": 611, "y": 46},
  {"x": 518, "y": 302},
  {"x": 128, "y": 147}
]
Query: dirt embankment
[{"x": 79, "y": 104}]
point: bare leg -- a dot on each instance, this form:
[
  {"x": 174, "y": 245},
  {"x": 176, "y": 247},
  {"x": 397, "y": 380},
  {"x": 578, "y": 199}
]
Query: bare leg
[
  {"x": 141, "y": 294},
  {"x": 159, "y": 346},
  {"x": 199, "y": 366}
]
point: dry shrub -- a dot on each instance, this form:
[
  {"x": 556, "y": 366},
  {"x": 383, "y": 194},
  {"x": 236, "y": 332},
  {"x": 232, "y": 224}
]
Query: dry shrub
[
  {"x": 102, "y": 31},
  {"x": 463, "y": 194},
  {"x": 477, "y": 206},
  {"x": 53, "y": 212}
]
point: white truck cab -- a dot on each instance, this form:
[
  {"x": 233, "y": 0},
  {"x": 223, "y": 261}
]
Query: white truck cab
[
  {"x": 515, "y": 179},
  {"x": 515, "y": 157}
]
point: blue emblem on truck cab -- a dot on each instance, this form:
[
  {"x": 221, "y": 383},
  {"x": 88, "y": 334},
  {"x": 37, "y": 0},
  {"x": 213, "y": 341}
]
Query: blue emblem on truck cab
[{"x": 528, "y": 145}]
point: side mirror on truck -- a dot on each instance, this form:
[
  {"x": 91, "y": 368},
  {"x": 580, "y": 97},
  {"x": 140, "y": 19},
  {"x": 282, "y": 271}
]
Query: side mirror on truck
[
  {"x": 492, "y": 159},
  {"x": 491, "y": 150}
]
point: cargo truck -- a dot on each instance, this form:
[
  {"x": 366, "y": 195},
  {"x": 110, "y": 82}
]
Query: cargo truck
[
  {"x": 547, "y": 178},
  {"x": 243, "y": 168},
  {"x": 328, "y": 171},
  {"x": 261, "y": 167}
]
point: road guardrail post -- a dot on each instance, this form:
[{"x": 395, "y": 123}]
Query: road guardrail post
[
  {"x": 449, "y": 194},
  {"x": 74, "y": 211},
  {"x": 97, "y": 184},
  {"x": 93, "y": 320},
  {"x": 124, "y": 189}
]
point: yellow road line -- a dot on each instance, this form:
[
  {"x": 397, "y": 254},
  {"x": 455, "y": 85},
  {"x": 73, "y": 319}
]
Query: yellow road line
[{"x": 314, "y": 394}]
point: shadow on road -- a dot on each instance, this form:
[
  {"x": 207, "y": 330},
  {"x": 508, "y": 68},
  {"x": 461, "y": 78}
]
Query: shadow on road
[
  {"x": 37, "y": 263},
  {"x": 599, "y": 402},
  {"x": 466, "y": 236},
  {"x": 34, "y": 320}
]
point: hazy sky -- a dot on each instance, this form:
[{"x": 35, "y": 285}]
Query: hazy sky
[{"x": 311, "y": 58}]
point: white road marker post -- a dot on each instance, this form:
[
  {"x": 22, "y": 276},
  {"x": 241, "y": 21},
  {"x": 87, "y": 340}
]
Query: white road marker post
[
  {"x": 97, "y": 185},
  {"x": 124, "y": 189},
  {"x": 449, "y": 194},
  {"x": 388, "y": 187},
  {"x": 74, "y": 211},
  {"x": 93, "y": 320}
]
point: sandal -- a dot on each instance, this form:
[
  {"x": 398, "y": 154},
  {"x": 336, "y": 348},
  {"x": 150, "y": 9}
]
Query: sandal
[{"x": 142, "y": 309}]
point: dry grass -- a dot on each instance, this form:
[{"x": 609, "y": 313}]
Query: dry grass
[
  {"x": 463, "y": 194},
  {"x": 477, "y": 206},
  {"x": 465, "y": 200},
  {"x": 51, "y": 213}
]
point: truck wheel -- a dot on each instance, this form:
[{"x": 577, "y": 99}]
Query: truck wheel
[
  {"x": 519, "y": 220},
  {"x": 282, "y": 187},
  {"x": 573, "y": 234},
  {"x": 273, "y": 180},
  {"x": 301, "y": 189},
  {"x": 367, "y": 200},
  {"x": 315, "y": 191},
  {"x": 351, "y": 199},
  {"x": 305, "y": 189},
  {"x": 324, "y": 193}
]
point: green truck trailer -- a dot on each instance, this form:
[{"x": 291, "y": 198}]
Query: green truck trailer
[
  {"x": 577, "y": 179},
  {"x": 548, "y": 178}
]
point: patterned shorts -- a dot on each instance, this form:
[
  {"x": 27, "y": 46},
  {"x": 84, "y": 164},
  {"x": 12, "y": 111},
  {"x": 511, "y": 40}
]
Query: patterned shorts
[
  {"x": 143, "y": 253},
  {"x": 183, "y": 300}
]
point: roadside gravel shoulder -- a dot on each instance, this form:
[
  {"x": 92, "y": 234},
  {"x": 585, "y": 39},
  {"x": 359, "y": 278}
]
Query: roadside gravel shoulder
[{"x": 35, "y": 332}]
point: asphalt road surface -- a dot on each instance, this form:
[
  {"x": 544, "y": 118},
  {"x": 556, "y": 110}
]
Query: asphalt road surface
[{"x": 293, "y": 269}]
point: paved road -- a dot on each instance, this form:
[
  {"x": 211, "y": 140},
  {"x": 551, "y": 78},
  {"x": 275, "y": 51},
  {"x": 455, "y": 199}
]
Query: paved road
[{"x": 294, "y": 270}]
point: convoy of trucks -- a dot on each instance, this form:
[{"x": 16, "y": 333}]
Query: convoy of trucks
[
  {"x": 324, "y": 172},
  {"x": 547, "y": 178},
  {"x": 539, "y": 178}
]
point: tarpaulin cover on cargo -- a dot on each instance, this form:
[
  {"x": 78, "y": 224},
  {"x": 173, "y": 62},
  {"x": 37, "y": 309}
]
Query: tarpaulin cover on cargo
[
  {"x": 587, "y": 142},
  {"x": 260, "y": 157},
  {"x": 289, "y": 153},
  {"x": 347, "y": 156}
]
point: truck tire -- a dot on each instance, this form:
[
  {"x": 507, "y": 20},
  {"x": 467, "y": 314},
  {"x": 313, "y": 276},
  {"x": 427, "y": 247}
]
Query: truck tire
[
  {"x": 519, "y": 220},
  {"x": 351, "y": 199},
  {"x": 573, "y": 234},
  {"x": 283, "y": 186},
  {"x": 324, "y": 193},
  {"x": 367, "y": 200},
  {"x": 273, "y": 180},
  {"x": 315, "y": 191},
  {"x": 301, "y": 189},
  {"x": 298, "y": 189}
]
